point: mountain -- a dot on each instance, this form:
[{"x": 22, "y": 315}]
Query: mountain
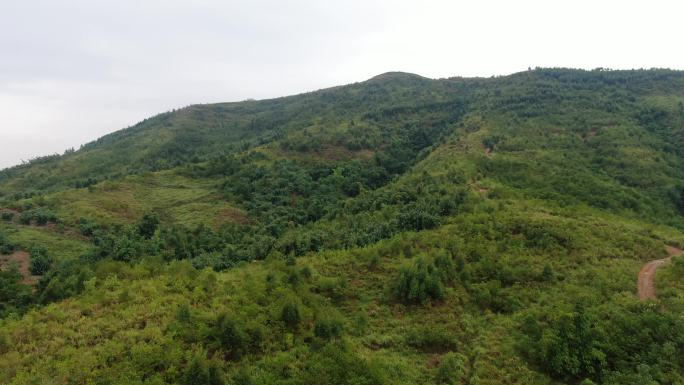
[{"x": 400, "y": 230}]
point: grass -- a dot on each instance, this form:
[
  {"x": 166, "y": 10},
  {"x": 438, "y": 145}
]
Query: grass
[
  {"x": 175, "y": 198},
  {"x": 58, "y": 245}
]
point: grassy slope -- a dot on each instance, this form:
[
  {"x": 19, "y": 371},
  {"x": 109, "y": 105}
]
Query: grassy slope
[
  {"x": 60, "y": 244},
  {"x": 175, "y": 198},
  {"x": 122, "y": 321}
]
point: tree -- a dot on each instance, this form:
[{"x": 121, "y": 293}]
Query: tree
[
  {"x": 419, "y": 283},
  {"x": 328, "y": 328},
  {"x": 198, "y": 372},
  {"x": 290, "y": 316},
  {"x": 14, "y": 296},
  {"x": 7, "y": 216},
  {"x": 41, "y": 261},
  {"x": 6, "y": 246},
  {"x": 231, "y": 337},
  {"x": 148, "y": 225},
  {"x": 569, "y": 348}
]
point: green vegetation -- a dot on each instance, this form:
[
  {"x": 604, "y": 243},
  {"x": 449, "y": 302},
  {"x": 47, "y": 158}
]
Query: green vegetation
[{"x": 397, "y": 231}]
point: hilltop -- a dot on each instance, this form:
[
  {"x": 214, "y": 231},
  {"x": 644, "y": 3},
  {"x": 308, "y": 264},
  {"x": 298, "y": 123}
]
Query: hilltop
[{"x": 399, "y": 230}]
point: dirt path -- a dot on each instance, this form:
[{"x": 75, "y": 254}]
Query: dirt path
[{"x": 645, "y": 285}]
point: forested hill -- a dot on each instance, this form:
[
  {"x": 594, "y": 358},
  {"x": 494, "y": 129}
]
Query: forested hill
[
  {"x": 401, "y": 230},
  {"x": 203, "y": 132}
]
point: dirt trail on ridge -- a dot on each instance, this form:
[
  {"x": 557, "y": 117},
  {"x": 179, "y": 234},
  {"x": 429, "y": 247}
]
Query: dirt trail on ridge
[{"x": 646, "y": 285}]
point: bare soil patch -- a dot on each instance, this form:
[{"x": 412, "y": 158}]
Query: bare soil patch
[{"x": 23, "y": 261}]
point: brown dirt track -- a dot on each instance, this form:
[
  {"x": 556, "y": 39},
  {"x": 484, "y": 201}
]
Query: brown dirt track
[{"x": 645, "y": 285}]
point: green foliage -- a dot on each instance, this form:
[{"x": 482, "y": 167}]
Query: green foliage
[
  {"x": 328, "y": 327},
  {"x": 65, "y": 279},
  {"x": 431, "y": 339},
  {"x": 335, "y": 364},
  {"x": 41, "y": 261},
  {"x": 496, "y": 200},
  {"x": 38, "y": 216},
  {"x": 628, "y": 345},
  {"x": 148, "y": 225},
  {"x": 423, "y": 281},
  {"x": 198, "y": 372},
  {"x": 231, "y": 337},
  {"x": 14, "y": 295},
  {"x": 570, "y": 347},
  {"x": 6, "y": 246},
  {"x": 291, "y": 316},
  {"x": 453, "y": 370}
]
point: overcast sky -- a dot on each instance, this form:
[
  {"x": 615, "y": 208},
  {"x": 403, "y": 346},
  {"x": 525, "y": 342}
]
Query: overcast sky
[{"x": 71, "y": 71}]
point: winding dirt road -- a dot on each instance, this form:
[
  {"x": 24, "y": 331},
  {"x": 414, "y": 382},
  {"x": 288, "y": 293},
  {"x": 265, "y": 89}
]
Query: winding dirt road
[{"x": 645, "y": 285}]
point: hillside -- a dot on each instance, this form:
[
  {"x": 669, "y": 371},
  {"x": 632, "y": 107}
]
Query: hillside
[{"x": 401, "y": 230}]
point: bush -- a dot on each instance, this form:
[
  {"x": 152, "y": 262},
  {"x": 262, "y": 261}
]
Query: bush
[
  {"x": 335, "y": 364},
  {"x": 328, "y": 328},
  {"x": 25, "y": 218},
  {"x": 490, "y": 295},
  {"x": 148, "y": 225},
  {"x": 7, "y": 216},
  {"x": 231, "y": 337},
  {"x": 453, "y": 370},
  {"x": 6, "y": 246},
  {"x": 568, "y": 348},
  {"x": 14, "y": 296},
  {"x": 290, "y": 316},
  {"x": 40, "y": 260},
  {"x": 41, "y": 217},
  {"x": 198, "y": 372},
  {"x": 64, "y": 280},
  {"x": 87, "y": 227},
  {"x": 419, "y": 283},
  {"x": 431, "y": 339}
]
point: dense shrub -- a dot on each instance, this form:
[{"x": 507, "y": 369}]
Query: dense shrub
[
  {"x": 199, "y": 372},
  {"x": 453, "y": 370},
  {"x": 291, "y": 316},
  {"x": 491, "y": 295},
  {"x": 335, "y": 364},
  {"x": 431, "y": 339},
  {"x": 6, "y": 246},
  {"x": 67, "y": 278},
  {"x": 148, "y": 225},
  {"x": 39, "y": 216},
  {"x": 626, "y": 345},
  {"x": 231, "y": 337},
  {"x": 41, "y": 261},
  {"x": 14, "y": 295},
  {"x": 419, "y": 283},
  {"x": 328, "y": 327}
]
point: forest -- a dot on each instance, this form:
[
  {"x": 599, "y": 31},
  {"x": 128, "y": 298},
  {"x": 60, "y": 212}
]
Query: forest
[{"x": 401, "y": 230}]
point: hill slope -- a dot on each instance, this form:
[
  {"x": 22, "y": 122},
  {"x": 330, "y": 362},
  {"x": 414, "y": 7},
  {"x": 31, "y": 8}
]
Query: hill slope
[{"x": 399, "y": 230}]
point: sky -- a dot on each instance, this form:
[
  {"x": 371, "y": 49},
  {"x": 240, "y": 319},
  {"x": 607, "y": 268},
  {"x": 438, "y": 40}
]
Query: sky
[{"x": 72, "y": 71}]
